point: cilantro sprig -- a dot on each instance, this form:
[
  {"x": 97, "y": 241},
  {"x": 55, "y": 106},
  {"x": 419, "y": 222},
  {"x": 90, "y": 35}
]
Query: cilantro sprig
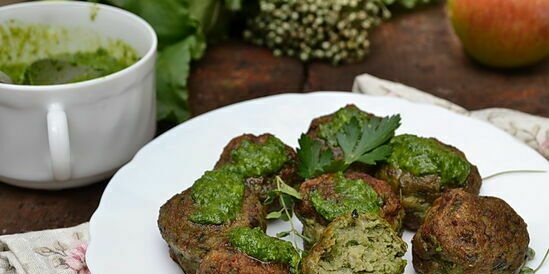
[
  {"x": 360, "y": 142},
  {"x": 287, "y": 197},
  {"x": 531, "y": 254}
]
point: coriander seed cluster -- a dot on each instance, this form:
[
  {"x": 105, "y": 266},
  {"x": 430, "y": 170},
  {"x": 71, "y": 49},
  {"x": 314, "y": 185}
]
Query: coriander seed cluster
[{"x": 332, "y": 30}]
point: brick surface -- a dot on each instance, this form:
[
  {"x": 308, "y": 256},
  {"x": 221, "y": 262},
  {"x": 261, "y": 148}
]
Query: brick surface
[{"x": 236, "y": 71}]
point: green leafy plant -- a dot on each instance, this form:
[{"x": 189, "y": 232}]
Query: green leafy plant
[
  {"x": 287, "y": 197},
  {"x": 183, "y": 28},
  {"x": 530, "y": 256},
  {"x": 365, "y": 143}
]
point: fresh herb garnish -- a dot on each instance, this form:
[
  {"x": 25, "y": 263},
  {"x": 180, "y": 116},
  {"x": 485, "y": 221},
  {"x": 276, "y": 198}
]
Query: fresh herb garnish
[
  {"x": 529, "y": 270},
  {"x": 511, "y": 172},
  {"x": 287, "y": 196},
  {"x": 365, "y": 143},
  {"x": 314, "y": 159}
]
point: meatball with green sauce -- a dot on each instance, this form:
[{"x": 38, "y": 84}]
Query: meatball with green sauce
[
  {"x": 356, "y": 243},
  {"x": 329, "y": 196},
  {"x": 465, "y": 233},
  {"x": 251, "y": 251},
  {"x": 200, "y": 218},
  {"x": 421, "y": 169},
  {"x": 260, "y": 159}
]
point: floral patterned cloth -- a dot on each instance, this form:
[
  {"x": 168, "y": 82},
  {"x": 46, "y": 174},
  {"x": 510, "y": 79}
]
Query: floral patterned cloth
[
  {"x": 62, "y": 251},
  {"x": 55, "y": 251}
]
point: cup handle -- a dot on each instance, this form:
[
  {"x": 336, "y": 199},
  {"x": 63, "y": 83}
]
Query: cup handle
[{"x": 58, "y": 138}]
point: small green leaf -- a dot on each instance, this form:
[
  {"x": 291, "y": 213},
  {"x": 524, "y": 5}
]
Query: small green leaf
[
  {"x": 348, "y": 139},
  {"x": 172, "y": 71},
  {"x": 313, "y": 159},
  {"x": 378, "y": 154},
  {"x": 282, "y": 234},
  {"x": 530, "y": 256},
  {"x": 271, "y": 196},
  {"x": 274, "y": 215},
  {"x": 286, "y": 189},
  {"x": 364, "y": 143}
]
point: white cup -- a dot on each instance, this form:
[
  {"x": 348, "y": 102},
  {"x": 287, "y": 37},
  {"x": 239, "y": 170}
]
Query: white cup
[{"x": 61, "y": 136}]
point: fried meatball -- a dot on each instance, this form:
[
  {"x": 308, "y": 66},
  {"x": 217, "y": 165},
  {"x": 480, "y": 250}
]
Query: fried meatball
[
  {"x": 421, "y": 169},
  {"x": 251, "y": 250},
  {"x": 230, "y": 260},
  {"x": 188, "y": 241},
  {"x": 384, "y": 201},
  {"x": 325, "y": 129},
  {"x": 357, "y": 243},
  {"x": 260, "y": 159},
  {"x": 469, "y": 234}
]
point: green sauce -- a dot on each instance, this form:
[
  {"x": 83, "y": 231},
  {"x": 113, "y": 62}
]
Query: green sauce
[
  {"x": 328, "y": 131},
  {"x": 251, "y": 159},
  {"x": 218, "y": 195},
  {"x": 352, "y": 194},
  {"x": 23, "y": 44},
  {"x": 423, "y": 156},
  {"x": 255, "y": 243}
]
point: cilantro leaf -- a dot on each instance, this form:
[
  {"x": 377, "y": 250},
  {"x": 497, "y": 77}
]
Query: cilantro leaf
[
  {"x": 363, "y": 143},
  {"x": 378, "y": 154},
  {"x": 287, "y": 197},
  {"x": 313, "y": 159}
]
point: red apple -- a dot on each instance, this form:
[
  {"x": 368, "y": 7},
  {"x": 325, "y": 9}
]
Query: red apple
[{"x": 502, "y": 33}]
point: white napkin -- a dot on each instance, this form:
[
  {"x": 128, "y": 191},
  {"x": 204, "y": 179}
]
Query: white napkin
[
  {"x": 62, "y": 251},
  {"x": 532, "y": 130}
]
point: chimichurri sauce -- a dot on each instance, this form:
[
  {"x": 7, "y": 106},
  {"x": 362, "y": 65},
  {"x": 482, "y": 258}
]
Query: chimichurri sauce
[
  {"x": 352, "y": 195},
  {"x": 423, "y": 156}
]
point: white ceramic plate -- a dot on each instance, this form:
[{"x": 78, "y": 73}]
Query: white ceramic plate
[{"x": 124, "y": 234}]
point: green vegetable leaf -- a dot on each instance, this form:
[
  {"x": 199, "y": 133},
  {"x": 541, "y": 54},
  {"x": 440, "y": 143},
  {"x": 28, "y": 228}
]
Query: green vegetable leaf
[
  {"x": 182, "y": 27},
  {"x": 363, "y": 143},
  {"x": 286, "y": 189},
  {"x": 313, "y": 159},
  {"x": 378, "y": 154},
  {"x": 530, "y": 256},
  {"x": 171, "y": 19},
  {"x": 172, "y": 70},
  {"x": 282, "y": 234},
  {"x": 287, "y": 197},
  {"x": 274, "y": 215}
]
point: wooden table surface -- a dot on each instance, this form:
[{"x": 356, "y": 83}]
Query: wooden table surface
[{"x": 418, "y": 49}]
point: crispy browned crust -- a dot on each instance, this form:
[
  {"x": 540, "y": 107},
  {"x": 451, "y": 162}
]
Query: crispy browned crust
[
  {"x": 189, "y": 242},
  {"x": 470, "y": 234},
  {"x": 262, "y": 185},
  {"x": 418, "y": 192},
  {"x": 314, "y": 223},
  {"x": 227, "y": 259}
]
